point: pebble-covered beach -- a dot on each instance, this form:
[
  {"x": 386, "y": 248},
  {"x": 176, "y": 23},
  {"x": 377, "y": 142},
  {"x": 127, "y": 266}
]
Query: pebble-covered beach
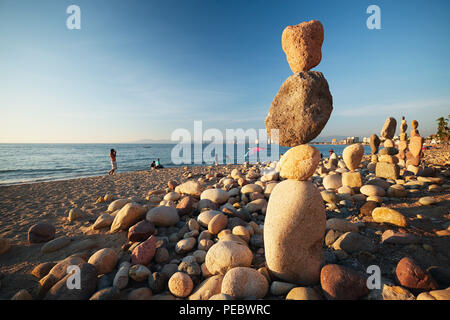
[{"x": 198, "y": 233}]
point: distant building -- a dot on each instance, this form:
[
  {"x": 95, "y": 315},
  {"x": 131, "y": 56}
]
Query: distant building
[
  {"x": 334, "y": 141},
  {"x": 350, "y": 140}
]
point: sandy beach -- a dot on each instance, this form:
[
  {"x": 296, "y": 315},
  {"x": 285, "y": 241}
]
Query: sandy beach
[{"x": 24, "y": 205}]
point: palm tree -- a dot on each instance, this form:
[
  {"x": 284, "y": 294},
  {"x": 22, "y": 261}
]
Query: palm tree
[{"x": 443, "y": 129}]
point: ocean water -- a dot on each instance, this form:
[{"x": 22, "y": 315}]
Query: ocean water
[{"x": 27, "y": 163}]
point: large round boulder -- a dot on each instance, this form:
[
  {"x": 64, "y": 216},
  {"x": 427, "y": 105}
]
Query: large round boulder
[
  {"x": 300, "y": 109},
  {"x": 294, "y": 230}
]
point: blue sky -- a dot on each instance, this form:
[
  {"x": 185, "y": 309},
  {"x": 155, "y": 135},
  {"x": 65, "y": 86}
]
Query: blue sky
[{"x": 140, "y": 69}]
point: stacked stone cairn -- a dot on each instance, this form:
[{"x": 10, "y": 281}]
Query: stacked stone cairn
[
  {"x": 414, "y": 152},
  {"x": 374, "y": 145},
  {"x": 387, "y": 165},
  {"x": 295, "y": 220},
  {"x": 403, "y": 144}
]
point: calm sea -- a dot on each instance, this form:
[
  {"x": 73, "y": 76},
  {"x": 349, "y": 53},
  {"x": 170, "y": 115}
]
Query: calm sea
[{"x": 26, "y": 163}]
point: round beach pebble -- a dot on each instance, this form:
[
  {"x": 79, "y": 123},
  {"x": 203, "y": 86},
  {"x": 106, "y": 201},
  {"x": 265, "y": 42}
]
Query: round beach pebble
[
  {"x": 217, "y": 223},
  {"x": 372, "y": 190},
  {"x": 250, "y": 188},
  {"x": 206, "y": 216},
  {"x": 104, "y": 260},
  {"x": 127, "y": 216},
  {"x": 104, "y": 220},
  {"x": 299, "y": 162},
  {"x": 144, "y": 252},
  {"x": 225, "y": 255},
  {"x": 332, "y": 181},
  {"x": 426, "y": 201},
  {"x": 185, "y": 205},
  {"x": 387, "y": 215},
  {"x": 172, "y": 196},
  {"x": 55, "y": 244},
  {"x": 411, "y": 275},
  {"x": 342, "y": 283},
  {"x": 352, "y": 156},
  {"x": 244, "y": 282},
  {"x": 163, "y": 216},
  {"x": 117, "y": 205},
  {"x": 303, "y": 293},
  {"x": 74, "y": 214},
  {"x": 180, "y": 284},
  {"x": 41, "y": 232},
  {"x": 218, "y": 196},
  {"x": 329, "y": 196},
  {"x": 141, "y": 231},
  {"x": 192, "y": 188},
  {"x": 185, "y": 245},
  {"x": 208, "y": 288},
  {"x": 41, "y": 270},
  {"x": 138, "y": 272},
  {"x": 302, "y": 45}
]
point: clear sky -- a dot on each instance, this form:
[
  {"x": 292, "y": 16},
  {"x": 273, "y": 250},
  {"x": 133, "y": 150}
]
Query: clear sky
[{"x": 140, "y": 69}]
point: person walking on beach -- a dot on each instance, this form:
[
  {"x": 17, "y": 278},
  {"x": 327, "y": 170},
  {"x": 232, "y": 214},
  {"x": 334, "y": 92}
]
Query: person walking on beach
[{"x": 112, "y": 155}]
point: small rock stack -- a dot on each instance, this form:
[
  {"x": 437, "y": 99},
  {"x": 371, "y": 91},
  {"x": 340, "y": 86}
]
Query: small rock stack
[
  {"x": 374, "y": 145},
  {"x": 414, "y": 152},
  {"x": 295, "y": 220},
  {"x": 403, "y": 144},
  {"x": 352, "y": 156},
  {"x": 387, "y": 165}
]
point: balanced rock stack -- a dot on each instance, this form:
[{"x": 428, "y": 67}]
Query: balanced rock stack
[
  {"x": 403, "y": 144},
  {"x": 352, "y": 156},
  {"x": 388, "y": 132},
  {"x": 387, "y": 165},
  {"x": 304, "y": 103},
  {"x": 414, "y": 152},
  {"x": 295, "y": 220}
]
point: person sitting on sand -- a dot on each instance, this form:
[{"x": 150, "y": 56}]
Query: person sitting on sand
[
  {"x": 112, "y": 155},
  {"x": 158, "y": 165},
  {"x": 153, "y": 165}
]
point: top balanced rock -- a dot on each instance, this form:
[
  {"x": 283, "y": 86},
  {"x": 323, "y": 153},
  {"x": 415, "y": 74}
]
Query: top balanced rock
[{"x": 302, "y": 45}]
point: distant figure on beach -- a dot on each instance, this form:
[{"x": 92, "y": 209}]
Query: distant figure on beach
[
  {"x": 153, "y": 165},
  {"x": 158, "y": 165},
  {"x": 112, "y": 155}
]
